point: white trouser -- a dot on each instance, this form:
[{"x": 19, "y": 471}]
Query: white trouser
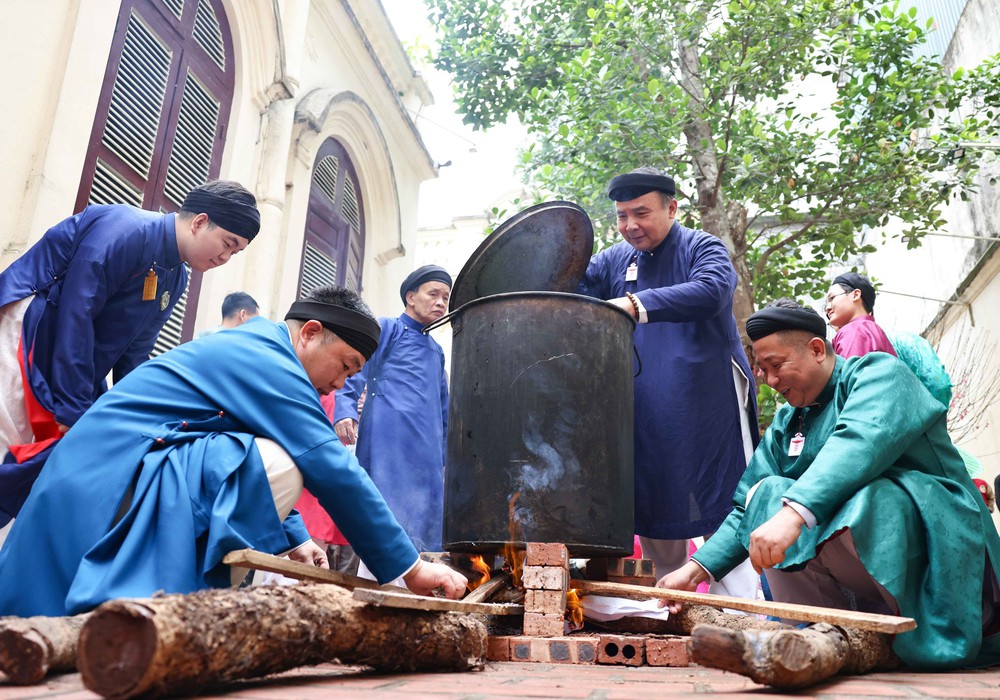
[
  {"x": 285, "y": 481},
  {"x": 14, "y": 426}
]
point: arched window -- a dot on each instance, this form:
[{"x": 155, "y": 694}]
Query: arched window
[
  {"x": 334, "y": 246},
  {"x": 162, "y": 116}
]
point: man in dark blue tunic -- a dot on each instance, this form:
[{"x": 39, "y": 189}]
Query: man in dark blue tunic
[
  {"x": 89, "y": 299},
  {"x": 401, "y": 436},
  {"x": 201, "y": 451},
  {"x": 695, "y": 409}
]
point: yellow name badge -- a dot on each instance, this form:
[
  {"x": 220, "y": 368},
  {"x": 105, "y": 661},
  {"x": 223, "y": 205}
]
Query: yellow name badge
[{"x": 149, "y": 286}]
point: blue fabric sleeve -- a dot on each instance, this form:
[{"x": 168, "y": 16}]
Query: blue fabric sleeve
[{"x": 706, "y": 294}]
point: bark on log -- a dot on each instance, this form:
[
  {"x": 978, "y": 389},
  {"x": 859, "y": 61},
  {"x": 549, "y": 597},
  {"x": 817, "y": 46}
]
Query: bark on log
[
  {"x": 32, "y": 647},
  {"x": 792, "y": 658},
  {"x": 182, "y": 644}
]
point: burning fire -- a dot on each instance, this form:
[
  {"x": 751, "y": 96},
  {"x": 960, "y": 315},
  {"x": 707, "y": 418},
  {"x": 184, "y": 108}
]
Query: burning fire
[
  {"x": 514, "y": 557},
  {"x": 574, "y": 609},
  {"x": 478, "y": 564}
]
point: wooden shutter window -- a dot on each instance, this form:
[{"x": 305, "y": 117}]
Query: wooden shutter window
[
  {"x": 175, "y": 6},
  {"x": 208, "y": 34},
  {"x": 111, "y": 188},
  {"x": 137, "y": 97},
  {"x": 191, "y": 155},
  {"x": 318, "y": 269}
]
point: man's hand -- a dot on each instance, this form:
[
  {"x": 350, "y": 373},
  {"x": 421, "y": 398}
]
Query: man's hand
[
  {"x": 685, "y": 578},
  {"x": 426, "y": 576},
  {"x": 770, "y": 541},
  {"x": 347, "y": 430},
  {"x": 310, "y": 553},
  {"x": 625, "y": 304}
]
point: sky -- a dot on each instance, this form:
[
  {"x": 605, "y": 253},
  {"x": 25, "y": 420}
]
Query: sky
[{"x": 482, "y": 171}]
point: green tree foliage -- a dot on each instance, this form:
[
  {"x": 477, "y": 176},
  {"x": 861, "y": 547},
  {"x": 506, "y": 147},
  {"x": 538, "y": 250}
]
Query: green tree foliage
[{"x": 789, "y": 125}]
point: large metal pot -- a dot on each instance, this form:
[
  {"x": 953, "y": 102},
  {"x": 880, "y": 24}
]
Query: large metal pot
[{"x": 540, "y": 442}]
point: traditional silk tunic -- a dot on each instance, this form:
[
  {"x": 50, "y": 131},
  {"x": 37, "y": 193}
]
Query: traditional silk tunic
[
  {"x": 877, "y": 460},
  {"x": 861, "y": 336},
  {"x": 88, "y": 318},
  {"x": 180, "y": 430},
  {"x": 401, "y": 435},
  {"x": 688, "y": 442}
]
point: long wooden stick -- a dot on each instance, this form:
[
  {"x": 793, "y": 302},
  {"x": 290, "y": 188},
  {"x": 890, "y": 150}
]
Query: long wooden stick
[
  {"x": 252, "y": 559},
  {"x": 409, "y": 601},
  {"x": 807, "y": 613},
  {"x": 483, "y": 593}
]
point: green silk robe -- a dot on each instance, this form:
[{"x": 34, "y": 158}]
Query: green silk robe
[{"x": 877, "y": 459}]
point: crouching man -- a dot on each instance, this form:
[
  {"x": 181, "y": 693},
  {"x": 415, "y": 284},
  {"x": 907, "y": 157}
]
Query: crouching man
[
  {"x": 857, "y": 499},
  {"x": 202, "y": 451}
]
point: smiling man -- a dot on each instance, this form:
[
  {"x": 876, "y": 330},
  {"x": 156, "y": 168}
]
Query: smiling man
[
  {"x": 401, "y": 436},
  {"x": 202, "y": 451},
  {"x": 857, "y": 499},
  {"x": 695, "y": 413},
  {"x": 89, "y": 299}
]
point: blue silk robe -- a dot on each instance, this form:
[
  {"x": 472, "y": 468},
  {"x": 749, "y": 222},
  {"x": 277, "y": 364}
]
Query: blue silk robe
[
  {"x": 401, "y": 435},
  {"x": 877, "y": 460},
  {"x": 688, "y": 442},
  {"x": 88, "y": 317},
  {"x": 182, "y": 426}
]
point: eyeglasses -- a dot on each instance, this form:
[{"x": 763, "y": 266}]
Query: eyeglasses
[{"x": 830, "y": 298}]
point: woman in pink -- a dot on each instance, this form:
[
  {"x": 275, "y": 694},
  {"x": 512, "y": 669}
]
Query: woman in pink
[{"x": 849, "y": 305}]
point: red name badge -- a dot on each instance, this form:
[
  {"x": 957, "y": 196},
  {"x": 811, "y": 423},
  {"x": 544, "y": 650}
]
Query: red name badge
[{"x": 795, "y": 446}]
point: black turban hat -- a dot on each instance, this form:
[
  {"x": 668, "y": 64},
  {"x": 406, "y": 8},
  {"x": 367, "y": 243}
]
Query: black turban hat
[
  {"x": 852, "y": 280},
  {"x": 241, "y": 218},
  {"x": 772, "y": 319},
  {"x": 358, "y": 330},
  {"x": 625, "y": 188},
  {"x": 423, "y": 275}
]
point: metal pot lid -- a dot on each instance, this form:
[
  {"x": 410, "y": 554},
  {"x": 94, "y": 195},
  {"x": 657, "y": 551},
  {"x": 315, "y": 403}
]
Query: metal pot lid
[{"x": 544, "y": 248}]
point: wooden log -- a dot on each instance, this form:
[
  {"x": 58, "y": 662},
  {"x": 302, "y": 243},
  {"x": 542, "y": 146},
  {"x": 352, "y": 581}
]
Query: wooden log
[
  {"x": 183, "y": 644},
  {"x": 806, "y": 613},
  {"x": 252, "y": 559},
  {"x": 792, "y": 658},
  {"x": 484, "y": 592},
  {"x": 33, "y": 647},
  {"x": 411, "y": 601}
]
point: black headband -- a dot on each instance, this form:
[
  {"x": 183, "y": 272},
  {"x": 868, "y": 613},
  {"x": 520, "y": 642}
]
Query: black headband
[
  {"x": 235, "y": 217},
  {"x": 423, "y": 275},
  {"x": 625, "y": 188},
  {"x": 356, "y": 329},
  {"x": 772, "y": 319},
  {"x": 852, "y": 280}
]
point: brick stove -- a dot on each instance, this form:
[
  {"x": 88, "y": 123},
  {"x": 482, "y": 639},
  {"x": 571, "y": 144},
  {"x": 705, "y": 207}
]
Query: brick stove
[{"x": 545, "y": 579}]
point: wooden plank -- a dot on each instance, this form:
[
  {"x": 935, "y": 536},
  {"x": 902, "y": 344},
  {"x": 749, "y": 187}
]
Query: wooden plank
[
  {"x": 411, "y": 601},
  {"x": 252, "y": 559},
  {"x": 807, "y": 613}
]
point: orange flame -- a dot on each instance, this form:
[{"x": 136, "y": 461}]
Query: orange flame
[
  {"x": 574, "y": 609},
  {"x": 514, "y": 557},
  {"x": 478, "y": 564}
]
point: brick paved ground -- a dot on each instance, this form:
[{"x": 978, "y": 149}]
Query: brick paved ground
[{"x": 505, "y": 681}]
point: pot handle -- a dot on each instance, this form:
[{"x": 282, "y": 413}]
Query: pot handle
[
  {"x": 440, "y": 322},
  {"x": 638, "y": 361}
]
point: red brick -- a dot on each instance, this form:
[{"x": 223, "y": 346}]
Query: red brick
[
  {"x": 620, "y": 650},
  {"x": 543, "y": 625},
  {"x": 544, "y": 601},
  {"x": 543, "y": 554},
  {"x": 556, "y": 650},
  {"x": 498, "y": 648},
  {"x": 546, "y": 578},
  {"x": 601, "y": 568},
  {"x": 668, "y": 651},
  {"x": 633, "y": 580}
]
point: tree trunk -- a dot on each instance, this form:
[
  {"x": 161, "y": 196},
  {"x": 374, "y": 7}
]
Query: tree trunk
[
  {"x": 31, "y": 647},
  {"x": 793, "y": 658},
  {"x": 181, "y": 644}
]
